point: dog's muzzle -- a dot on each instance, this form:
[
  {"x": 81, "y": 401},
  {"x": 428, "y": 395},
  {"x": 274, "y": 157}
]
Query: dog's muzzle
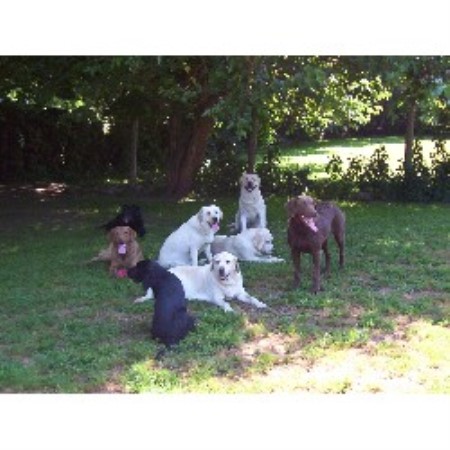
[
  {"x": 214, "y": 224},
  {"x": 250, "y": 187},
  {"x": 223, "y": 274}
]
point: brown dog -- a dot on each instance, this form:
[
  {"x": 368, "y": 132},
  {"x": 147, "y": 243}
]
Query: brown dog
[
  {"x": 123, "y": 250},
  {"x": 309, "y": 226}
]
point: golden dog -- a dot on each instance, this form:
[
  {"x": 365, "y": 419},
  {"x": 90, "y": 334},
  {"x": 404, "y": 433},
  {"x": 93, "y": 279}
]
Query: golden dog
[{"x": 123, "y": 251}]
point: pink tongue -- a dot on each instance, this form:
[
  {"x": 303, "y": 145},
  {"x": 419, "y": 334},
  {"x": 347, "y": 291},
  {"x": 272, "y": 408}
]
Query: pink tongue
[
  {"x": 122, "y": 249},
  {"x": 215, "y": 227},
  {"x": 310, "y": 223}
]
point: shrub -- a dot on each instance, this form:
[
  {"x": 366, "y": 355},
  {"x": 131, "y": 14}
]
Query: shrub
[
  {"x": 279, "y": 180},
  {"x": 372, "y": 179}
]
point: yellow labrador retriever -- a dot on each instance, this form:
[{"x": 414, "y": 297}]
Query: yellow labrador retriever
[
  {"x": 183, "y": 246},
  {"x": 252, "y": 208},
  {"x": 253, "y": 244},
  {"x": 214, "y": 283}
]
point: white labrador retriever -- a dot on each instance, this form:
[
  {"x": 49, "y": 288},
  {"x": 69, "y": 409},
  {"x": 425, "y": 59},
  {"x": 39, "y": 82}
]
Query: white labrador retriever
[
  {"x": 183, "y": 246},
  {"x": 252, "y": 208},
  {"x": 214, "y": 282},
  {"x": 253, "y": 244}
]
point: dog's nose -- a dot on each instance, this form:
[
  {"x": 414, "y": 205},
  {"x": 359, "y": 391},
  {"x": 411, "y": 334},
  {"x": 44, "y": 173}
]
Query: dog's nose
[
  {"x": 222, "y": 271},
  {"x": 215, "y": 220}
]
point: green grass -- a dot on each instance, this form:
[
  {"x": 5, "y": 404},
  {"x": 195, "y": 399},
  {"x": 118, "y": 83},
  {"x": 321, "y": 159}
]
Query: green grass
[
  {"x": 382, "y": 324},
  {"x": 316, "y": 154}
]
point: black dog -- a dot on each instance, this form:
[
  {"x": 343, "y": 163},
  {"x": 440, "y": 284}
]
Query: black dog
[
  {"x": 129, "y": 216},
  {"x": 171, "y": 321}
]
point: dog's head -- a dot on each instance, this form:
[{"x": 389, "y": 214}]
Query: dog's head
[
  {"x": 263, "y": 241},
  {"x": 210, "y": 216},
  {"x": 249, "y": 182},
  {"x": 303, "y": 208},
  {"x": 122, "y": 235},
  {"x": 225, "y": 267},
  {"x": 137, "y": 273},
  {"x": 144, "y": 269}
]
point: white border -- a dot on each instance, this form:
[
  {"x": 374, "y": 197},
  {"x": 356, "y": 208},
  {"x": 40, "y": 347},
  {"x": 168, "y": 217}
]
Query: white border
[
  {"x": 216, "y": 422},
  {"x": 201, "y": 27}
]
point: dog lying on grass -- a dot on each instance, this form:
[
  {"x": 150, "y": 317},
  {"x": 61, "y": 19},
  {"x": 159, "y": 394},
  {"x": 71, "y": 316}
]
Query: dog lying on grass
[
  {"x": 309, "y": 225},
  {"x": 171, "y": 321},
  {"x": 214, "y": 282},
  {"x": 122, "y": 252},
  {"x": 253, "y": 244}
]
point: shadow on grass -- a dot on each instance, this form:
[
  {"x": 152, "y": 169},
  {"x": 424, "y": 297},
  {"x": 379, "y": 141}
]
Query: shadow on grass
[{"x": 68, "y": 327}]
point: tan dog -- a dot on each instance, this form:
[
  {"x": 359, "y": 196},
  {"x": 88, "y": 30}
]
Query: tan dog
[
  {"x": 123, "y": 251},
  {"x": 309, "y": 226},
  {"x": 252, "y": 208}
]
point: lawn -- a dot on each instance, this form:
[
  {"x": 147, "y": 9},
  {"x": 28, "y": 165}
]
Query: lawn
[
  {"x": 316, "y": 154},
  {"x": 381, "y": 325}
]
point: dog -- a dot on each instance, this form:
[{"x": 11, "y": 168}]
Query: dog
[
  {"x": 171, "y": 320},
  {"x": 309, "y": 225},
  {"x": 123, "y": 251},
  {"x": 214, "y": 282},
  {"x": 253, "y": 244},
  {"x": 131, "y": 216},
  {"x": 183, "y": 246},
  {"x": 252, "y": 208}
]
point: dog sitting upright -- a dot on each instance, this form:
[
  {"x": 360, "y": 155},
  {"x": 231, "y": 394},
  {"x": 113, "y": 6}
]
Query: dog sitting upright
[
  {"x": 171, "y": 321},
  {"x": 309, "y": 226},
  {"x": 252, "y": 208}
]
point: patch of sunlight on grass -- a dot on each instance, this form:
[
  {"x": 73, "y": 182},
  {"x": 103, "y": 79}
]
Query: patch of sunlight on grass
[
  {"x": 146, "y": 377},
  {"x": 418, "y": 363},
  {"x": 318, "y": 157}
]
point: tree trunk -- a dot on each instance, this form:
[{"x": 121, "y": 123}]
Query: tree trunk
[
  {"x": 134, "y": 150},
  {"x": 187, "y": 150},
  {"x": 409, "y": 139},
  {"x": 253, "y": 143}
]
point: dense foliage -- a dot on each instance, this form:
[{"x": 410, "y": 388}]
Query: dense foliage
[
  {"x": 372, "y": 179},
  {"x": 167, "y": 120}
]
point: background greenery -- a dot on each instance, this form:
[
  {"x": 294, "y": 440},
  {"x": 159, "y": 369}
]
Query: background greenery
[{"x": 159, "y": 120}]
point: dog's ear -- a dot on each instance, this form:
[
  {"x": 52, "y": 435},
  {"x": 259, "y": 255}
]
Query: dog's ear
[
  {"x": 133, "y": 234},
  {"x": 291, "y": 207},
  {"x": 220, "y": 214},
  {"x": 201, "y": 214},
  {"x": 236, "y": 266},
  {"x": 112, "y": 235},
  {"x": 258, "y": 240}
]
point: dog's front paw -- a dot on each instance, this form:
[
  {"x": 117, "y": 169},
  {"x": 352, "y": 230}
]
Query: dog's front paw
[
  {"x": 276, "y": 259},
  {"x": 258, "y": 303},
  {"x": 140, "y": 299},
  {"x": 227, "y": 308}
]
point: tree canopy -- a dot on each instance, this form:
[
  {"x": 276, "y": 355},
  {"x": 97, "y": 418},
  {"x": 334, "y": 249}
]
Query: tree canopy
[{"x": 76, "y": 117}]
